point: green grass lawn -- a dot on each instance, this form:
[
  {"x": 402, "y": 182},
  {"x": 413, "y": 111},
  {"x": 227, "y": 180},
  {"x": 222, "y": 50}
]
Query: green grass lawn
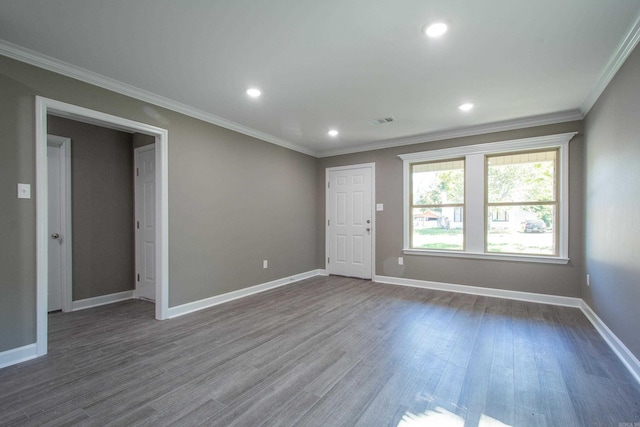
[
  {"x": 450, "y": 239},
  {"x": 499, "y": 241},
  {"x": 445, "y": 246},
  {"x": 439, "y": 232}
]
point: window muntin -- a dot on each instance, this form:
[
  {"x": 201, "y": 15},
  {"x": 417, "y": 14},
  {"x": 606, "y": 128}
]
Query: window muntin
[
  {"x": 437, "y": 205},
  {"x": 524, "y": 186}
]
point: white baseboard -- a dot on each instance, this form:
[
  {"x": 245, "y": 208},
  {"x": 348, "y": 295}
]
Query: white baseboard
[
  {"x": 487, "y": 292},
  {"x": 17, "y": 355},
  {"x": 190, "y": 307},
  {"x": 101, "y": 300},
  {"x": 624, "y": 354}
]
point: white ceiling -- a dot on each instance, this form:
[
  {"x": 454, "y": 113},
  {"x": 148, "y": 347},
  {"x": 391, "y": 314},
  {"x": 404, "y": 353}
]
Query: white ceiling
[{"x": 336, "y": 63}]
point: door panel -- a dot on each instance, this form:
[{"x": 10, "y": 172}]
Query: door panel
[
  {"x": 358, "y": 208},
  {"x": 358, "y": 250},
  {"x": 350, "y": 222},
  {"x": 146, "y": 226},
  {"x": 149, "y": 203},
  {"x": 341, "y": 248}
]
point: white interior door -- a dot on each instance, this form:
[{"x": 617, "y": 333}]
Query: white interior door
[
  {"x": 350, "y": 221},
  {"x": 54, "y": 156},
  {"x": 59, "y": 223},
  {"x": 146, "y": 222}
]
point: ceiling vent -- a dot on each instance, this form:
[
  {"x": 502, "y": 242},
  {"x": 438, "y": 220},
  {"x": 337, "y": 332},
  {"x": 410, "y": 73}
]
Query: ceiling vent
[{"x": 382, "y": 121}]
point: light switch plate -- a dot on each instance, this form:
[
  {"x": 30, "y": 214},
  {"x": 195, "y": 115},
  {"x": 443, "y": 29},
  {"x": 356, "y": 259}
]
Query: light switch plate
[
  {"x": 379, "y": 207},
  {"x": 24, "y": 191}
]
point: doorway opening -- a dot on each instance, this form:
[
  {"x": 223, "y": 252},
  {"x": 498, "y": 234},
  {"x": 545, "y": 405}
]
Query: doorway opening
[{"x": 46, "y": 107}]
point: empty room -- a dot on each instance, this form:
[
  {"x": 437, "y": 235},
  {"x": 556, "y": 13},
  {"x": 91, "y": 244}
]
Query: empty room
[{"x": 338, "y": 213}]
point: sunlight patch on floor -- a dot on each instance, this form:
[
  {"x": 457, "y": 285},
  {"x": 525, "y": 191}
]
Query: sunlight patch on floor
[{"x": 443, "y": 418}]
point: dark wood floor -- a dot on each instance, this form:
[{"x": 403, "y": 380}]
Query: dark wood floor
[{"x": 325, "y": 352}]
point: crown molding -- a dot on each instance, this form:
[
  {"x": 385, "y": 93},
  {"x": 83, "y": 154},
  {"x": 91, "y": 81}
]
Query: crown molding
[
  {"x": 618, "y": 58},
  {"x": 627, "y": 45},
  {"x": 48, "y": 63},
  {"x": 547, "y": 119}
]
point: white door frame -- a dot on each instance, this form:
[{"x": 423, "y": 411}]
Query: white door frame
[
  {"x": 65, "y": 230},
  {"x": 46, "y": 106},
  {"x": 327, "y": 242}
]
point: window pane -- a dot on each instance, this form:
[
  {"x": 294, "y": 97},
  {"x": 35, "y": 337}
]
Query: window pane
[
  {"x": 438, "y": 228},
  {"x": 438, "y": 183},
  {"x": 523, "y": 177},
  {"x": 528, "y": 230}
]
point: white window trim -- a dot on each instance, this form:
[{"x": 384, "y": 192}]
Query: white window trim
[{"x": 475, "y": 199}]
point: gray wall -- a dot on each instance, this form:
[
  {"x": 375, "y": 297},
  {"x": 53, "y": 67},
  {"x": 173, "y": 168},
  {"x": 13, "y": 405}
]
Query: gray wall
[
  {"x": 518, "y": 276},
  {"x": 140, "y": 140},
  {"x": 233, "y": 200},
  {"x": 612, "y": 205},
  {"x": 17, "y": 217},
  {"x": 102, "y": 207}
]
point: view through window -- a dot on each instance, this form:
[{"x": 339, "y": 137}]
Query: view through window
[
  {"x": 522, "y": 203},
  {"x": 437, "y": 205}
]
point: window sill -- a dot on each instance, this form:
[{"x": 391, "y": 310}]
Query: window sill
[{"x": 492, "y": 257}]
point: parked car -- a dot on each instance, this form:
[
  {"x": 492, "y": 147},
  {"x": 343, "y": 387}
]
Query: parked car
[{"x": 535, "y": 226}]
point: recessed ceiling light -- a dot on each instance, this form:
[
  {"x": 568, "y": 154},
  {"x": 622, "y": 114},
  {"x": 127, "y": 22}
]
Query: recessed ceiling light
[
  {"x": 253, "y": 92},
  {"x": 435, "y": 29},
  {"x": 333, "y": 133},
  {"x": 467, "y": 106}
]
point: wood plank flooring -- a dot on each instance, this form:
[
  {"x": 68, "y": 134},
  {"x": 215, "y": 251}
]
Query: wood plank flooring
[{"x": 327, "y": 351}]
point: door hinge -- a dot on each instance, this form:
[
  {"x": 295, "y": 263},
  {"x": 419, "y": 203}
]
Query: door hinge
[
  {"x": 329, "y": 184},
  {"x": 138, "y": 225},
  {"x": 328, "y": 260},
  {"x": 328, "y": 222},
  {"x": 137, "y": 172},
  {"x": 138, "y": 277}
]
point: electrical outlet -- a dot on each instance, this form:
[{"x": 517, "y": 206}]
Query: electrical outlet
[
  {"x": 265, "y": 264},
  {"x": 400, "y": 260},
  {"x": 588, "y": 281}
]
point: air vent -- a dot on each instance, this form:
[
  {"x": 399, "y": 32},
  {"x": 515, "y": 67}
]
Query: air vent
[{"x": 382, "y": 121}]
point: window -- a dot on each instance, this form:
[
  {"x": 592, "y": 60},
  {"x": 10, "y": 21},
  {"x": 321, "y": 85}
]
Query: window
[
  {"x": 503, "y": 200},
  {"x": 437, "y": 194},
  {"x": 522, "y": 188},
  {"x": 457, "y": 214},
  {"x": 498, "y": 214}
]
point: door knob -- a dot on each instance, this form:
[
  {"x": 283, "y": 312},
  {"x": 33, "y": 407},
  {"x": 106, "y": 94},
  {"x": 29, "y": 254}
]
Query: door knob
[
  {"x": 368, "y": 229},
  {"x": 55, "y": 236}
]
